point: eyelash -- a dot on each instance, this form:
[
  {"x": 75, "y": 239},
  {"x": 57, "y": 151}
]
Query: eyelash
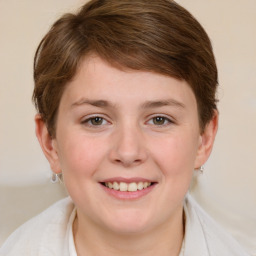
[
  {"x": 88, "y": 121},
  {"x": 166, "y": 120},
  {"x": 102, "y": 121}
]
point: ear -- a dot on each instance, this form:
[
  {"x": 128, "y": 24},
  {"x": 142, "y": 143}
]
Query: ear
[
  {"x": 206, "y": 141},
  {"x": 47, "y": 143}
]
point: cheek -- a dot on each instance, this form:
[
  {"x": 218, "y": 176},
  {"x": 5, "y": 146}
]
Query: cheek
[
  {"x": 176, "y": 155},
  {"x": 80, "y": 156}
]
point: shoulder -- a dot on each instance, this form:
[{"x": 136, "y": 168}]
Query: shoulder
[
  {"x": 43, "y": 234},
  {"x": 216, "y": 241}
]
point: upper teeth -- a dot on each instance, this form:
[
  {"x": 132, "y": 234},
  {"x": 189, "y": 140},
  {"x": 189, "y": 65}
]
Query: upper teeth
[{"x": 131, "y": 187}]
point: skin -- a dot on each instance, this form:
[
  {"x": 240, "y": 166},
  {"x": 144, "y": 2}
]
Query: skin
[{"x": 107, "y": 128}]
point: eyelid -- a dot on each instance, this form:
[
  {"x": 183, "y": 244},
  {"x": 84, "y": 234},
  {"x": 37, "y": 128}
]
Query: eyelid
[
  {"x": 86, "y": 119},
  {"x": 167, "y": 118}
]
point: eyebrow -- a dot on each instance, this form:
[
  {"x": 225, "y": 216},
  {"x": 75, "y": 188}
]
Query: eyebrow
[
  {"x": 96, "y": 103},
  {"x": 145, "y": 105},
  {"x": 162, "y": 103}
]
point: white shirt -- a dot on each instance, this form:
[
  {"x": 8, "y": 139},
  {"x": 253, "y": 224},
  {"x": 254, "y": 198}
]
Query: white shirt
[{"x": 50, "y": 234}]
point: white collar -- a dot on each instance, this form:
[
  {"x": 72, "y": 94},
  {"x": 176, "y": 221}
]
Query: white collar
[{"x": 70, "y": 237}]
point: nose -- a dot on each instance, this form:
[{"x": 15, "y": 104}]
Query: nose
[{"x": 128, "y": 147}]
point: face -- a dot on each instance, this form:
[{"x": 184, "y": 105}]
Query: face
[{"x": 127, "y": 143}]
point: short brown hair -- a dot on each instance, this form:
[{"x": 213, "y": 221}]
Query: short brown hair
[{"x": 150, "y": 35}]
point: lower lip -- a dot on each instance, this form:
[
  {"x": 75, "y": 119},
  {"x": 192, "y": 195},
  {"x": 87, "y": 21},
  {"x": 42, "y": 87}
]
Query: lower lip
[{"x": 128, "y": 195}]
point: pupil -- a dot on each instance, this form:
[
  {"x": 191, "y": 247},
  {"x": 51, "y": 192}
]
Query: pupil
[
  {"x": 159, "y": 120},
  {"x": 97, "y": 120}
]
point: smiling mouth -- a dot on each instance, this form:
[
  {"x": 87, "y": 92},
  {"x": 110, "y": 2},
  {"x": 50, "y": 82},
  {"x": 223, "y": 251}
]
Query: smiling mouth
[{"x": 127, "y": 187}]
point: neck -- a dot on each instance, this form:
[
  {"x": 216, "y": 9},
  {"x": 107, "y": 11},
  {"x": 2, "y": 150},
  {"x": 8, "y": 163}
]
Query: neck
[{"x": 165, "y": 240}]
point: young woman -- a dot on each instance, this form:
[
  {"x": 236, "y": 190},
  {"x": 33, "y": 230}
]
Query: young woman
[{"x": 125, "y": 93}]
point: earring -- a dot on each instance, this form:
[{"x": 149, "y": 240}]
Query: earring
[
  {"x": 200, "y": 169},
  {"x": 56, "y": 177}
]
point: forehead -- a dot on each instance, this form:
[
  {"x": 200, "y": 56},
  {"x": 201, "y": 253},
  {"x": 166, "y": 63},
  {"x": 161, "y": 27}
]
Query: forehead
[{"x": 98, "y": 80}]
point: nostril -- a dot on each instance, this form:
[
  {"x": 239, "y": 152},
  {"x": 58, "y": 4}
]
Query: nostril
[
  {"x": 128, "y": 153},
  {"x": 127, "y": 160}
]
